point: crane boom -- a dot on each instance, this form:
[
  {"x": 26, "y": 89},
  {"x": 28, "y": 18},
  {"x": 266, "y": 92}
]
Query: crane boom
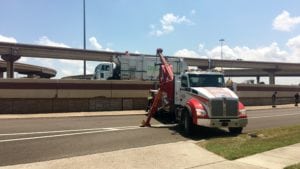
[{"x": 166, "y": 80}]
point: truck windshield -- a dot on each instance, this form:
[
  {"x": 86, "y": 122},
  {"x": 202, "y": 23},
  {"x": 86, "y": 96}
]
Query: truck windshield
[{"x": 206, "y": 80}]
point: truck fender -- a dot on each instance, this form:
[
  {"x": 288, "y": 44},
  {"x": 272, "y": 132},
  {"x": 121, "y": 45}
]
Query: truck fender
[
  {"x": 242, "y": 110},
  {"x": 193, "y": 104}
]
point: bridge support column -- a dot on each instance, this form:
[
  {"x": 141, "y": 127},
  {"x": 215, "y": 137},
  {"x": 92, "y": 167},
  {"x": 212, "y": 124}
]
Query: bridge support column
[
  {"x": 10, "y": 59},
  {"x": 30, "y": 76},
  {"x": 257, "y": 79},
  {"x": 272, "y": 78},
  {"x": 271, "y": 73}
]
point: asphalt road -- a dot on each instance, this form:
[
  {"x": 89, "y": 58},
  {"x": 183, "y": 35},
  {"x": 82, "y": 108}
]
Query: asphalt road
[{"x": 33, "y": 140}]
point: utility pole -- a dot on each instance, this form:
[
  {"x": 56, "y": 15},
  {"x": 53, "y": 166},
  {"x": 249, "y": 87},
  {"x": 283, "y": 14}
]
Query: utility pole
[
  {"x": 84, "y": 40},
  {"x": 221, "y": 41}
]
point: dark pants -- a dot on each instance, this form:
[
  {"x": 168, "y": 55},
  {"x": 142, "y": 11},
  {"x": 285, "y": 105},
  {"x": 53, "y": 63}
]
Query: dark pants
[{"x": 273, "y": 102}]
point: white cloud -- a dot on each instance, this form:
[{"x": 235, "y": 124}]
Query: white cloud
[
  {"x": 267, "y": 53},
  {"x": 167, "y": 24},
  {"x": 108, "y": 50},
  {"x": 7, "y": 39},
  {"x": 44, "y": 40},
  {"x": 187, "y": 53},
  {"x": 294, "y": 45},
  {"x": 96, "y": 45},
  {"x": 284, "y": 22}
]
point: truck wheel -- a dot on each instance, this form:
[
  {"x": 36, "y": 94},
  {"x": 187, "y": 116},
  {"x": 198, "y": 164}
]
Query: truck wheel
[
  {"x": 188, "y": 125},
  {"x": 235, "y": 130}
]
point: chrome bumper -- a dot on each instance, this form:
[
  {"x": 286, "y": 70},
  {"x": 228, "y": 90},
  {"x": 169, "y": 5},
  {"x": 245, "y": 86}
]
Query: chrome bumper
[{"x": 223, "y": 122}]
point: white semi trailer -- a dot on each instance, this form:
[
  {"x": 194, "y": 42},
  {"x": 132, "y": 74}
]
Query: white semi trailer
[{"x": 135, "y": 68}]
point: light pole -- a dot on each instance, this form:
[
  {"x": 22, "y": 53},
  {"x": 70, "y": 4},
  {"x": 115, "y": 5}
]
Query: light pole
[
  {"x": 84, "y": 40},
  {"x": 221, "y": 41}
]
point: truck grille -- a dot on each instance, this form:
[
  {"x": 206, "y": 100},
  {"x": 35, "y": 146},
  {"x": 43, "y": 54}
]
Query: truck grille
[{"x": 224, "y": 108}]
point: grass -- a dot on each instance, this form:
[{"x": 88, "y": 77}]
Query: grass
[
  {"x": 296, "y": 166},
  {"x": 244, "y": 145}
]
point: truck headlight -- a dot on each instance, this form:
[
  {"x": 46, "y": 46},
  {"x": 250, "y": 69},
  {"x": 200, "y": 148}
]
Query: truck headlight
[
  {"x": 201, "y": 113},
  {"x": 242, "y": 113}
]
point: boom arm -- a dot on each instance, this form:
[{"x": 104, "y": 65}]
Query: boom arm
[
  {"x": 165, "y": 65},
  {"x": 166, "y": 80}
]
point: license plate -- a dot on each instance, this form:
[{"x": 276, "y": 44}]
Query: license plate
[{"x": 224, "y": 124}]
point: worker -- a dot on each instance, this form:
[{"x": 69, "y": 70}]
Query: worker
[
  {"x": 150, "y": 99},
  {"x": 296, "y": 99},
  {"x": 274, "y": 99}
]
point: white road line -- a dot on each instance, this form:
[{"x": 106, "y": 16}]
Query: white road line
[
  {"x": 60, "y": 131},
  {"x": 77, "y": 132},
  {"x": 70, "y": 134},
  {"x": 292, "y": 114}
]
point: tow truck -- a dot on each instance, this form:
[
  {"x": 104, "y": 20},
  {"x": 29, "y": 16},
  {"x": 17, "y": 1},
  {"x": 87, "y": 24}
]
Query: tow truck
[{"x": 197, "y": 98}]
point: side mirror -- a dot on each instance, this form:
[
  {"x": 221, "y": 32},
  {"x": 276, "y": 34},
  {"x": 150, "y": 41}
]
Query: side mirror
[{"x": 185, "y": 89}]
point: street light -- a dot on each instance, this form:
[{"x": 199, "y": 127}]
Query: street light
[
  {"x": 221, "y": 41},
  {"x": 84, "y": 40}
]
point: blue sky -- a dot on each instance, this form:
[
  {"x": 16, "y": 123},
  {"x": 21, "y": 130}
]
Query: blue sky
[{"x": 253, "y": 30}]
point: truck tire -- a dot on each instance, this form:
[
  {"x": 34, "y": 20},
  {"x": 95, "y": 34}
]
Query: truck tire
[
  {"x": 235, "y": 130},
  {"x": 188, "y": 126}
]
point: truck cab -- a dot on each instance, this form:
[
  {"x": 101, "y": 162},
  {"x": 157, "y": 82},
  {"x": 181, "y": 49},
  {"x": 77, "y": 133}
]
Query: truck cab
[
  {"x": 104, "y": 71},
  {"x": 201, "y": 98}
]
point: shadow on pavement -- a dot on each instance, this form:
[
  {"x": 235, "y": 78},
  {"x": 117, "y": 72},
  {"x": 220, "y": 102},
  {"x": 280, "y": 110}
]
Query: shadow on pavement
[{"x": 199, "y": 132}]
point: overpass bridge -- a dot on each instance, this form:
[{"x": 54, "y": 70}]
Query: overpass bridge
[
  {"x": 10, "y": 52},
  {"x": 259, "y": 73},
  {"x": 29, "y": 70}
]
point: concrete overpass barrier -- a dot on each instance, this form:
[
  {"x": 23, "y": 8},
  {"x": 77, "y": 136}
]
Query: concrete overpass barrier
[
  {"x": 47, "y": 96},
  {"x": 259, "y": 94}
]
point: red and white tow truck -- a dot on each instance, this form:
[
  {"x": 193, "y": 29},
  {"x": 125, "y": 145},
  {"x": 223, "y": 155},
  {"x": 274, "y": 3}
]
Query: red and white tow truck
[{"x": 197, "y": 98}]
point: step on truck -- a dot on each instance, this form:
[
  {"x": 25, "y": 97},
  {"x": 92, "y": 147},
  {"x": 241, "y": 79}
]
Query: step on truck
[{"x": 197, "y": 98}]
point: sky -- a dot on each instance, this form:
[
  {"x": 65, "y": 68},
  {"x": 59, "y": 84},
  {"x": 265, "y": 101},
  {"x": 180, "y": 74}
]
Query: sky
[{"x": 255, "y": 30}]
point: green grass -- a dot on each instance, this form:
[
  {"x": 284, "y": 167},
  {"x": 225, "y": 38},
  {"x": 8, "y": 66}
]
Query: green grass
[
  {"x": 296, "y": 166},
  {"x": 243, "y": 145}
]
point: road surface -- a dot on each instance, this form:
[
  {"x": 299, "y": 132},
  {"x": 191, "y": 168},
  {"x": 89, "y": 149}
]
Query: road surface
[{"x": 41, "y": 139}]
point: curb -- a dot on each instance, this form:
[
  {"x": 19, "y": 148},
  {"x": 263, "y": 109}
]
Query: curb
[
  {"x": 285, "y": 106},
  {"x": 71, "y": 114}
]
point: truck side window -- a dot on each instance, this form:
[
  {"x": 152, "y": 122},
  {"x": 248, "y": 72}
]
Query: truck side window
[
  {"x": 105, "y": 68},
  {"x": 184, "y": 81}
]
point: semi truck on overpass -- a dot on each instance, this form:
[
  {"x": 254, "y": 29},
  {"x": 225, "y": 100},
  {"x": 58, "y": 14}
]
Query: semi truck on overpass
[{"x": 125, "y": 67}]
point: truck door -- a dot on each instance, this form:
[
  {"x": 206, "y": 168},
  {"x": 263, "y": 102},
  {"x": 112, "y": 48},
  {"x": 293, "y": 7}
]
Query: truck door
[
  {"x": 181, "y": 88},
  {"x": 106, "y": 72}
]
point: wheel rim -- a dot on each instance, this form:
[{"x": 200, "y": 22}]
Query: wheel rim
[{"x": 186, "y": 125}]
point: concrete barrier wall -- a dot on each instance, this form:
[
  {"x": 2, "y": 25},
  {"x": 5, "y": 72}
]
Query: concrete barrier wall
[
  {"x": 45, "y": 88},
  {"x": 47, "y": 96},
  {"x": 255, "y": 95},
  {"x": 26, "y": 106}
]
